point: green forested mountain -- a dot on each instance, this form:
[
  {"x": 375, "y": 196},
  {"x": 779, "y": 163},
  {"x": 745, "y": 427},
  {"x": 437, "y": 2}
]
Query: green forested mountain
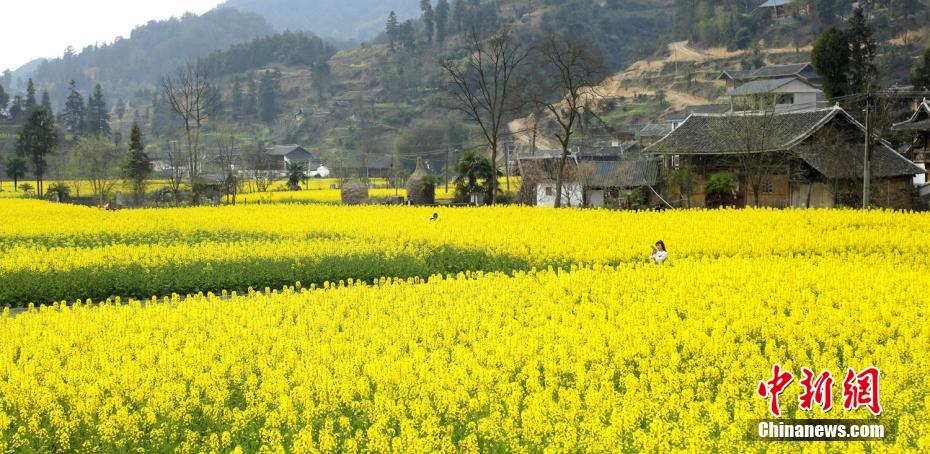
[
  {"x": 339, "y": 19},
  {"x": 151, "y": 51},
  {"x": 288, "y": 48}
]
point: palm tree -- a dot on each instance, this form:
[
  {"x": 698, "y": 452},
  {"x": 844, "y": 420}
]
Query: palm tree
[
  {"x": 471, "y": 170},
  {"x": 296, "y": 173}
]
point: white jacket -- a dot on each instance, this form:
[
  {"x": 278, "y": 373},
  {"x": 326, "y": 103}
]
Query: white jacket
[{"x": 659, "y": 257}]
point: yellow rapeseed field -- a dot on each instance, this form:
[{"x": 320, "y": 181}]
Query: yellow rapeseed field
[
  {"x": 53, "y": 252},
  {"x": 638, "y": 358},
  {"x": 539, "y": 330}
]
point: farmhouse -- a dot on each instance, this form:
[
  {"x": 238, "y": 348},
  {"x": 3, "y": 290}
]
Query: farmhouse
[
  {"x": 801, "y": 71},
  {"x": 365, "y": 166},
  {"x": 811, "y": 158},
  {"x": 594, "y": 178},
  {"x": 789, "y": 93},
  {"x": 918, "y": 127},
  {"x": 281, "y": 155}
]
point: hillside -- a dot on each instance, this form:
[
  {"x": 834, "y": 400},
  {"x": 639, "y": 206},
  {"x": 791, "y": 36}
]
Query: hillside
[
  {"x": 356, "y": 20},
  {"x": 151, "y": 51},
  {"x": 369, "y": 99}
]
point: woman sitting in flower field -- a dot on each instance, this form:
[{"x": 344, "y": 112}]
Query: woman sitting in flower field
[{"x": 659, "y": 254}]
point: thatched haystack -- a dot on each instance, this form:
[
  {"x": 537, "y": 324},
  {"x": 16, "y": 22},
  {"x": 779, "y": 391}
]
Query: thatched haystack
[
  {"x": 354, "y": 192},
  {"x": 421, "y": 187}
]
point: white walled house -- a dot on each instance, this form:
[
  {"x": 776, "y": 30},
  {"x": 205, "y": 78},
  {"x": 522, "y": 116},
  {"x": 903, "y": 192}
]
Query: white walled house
[
  {"x": 571, "y": 194},
  {"x": 789, "y": 93}
]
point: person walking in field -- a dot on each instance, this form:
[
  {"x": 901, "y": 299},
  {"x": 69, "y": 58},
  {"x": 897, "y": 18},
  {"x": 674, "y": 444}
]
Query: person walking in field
[
  {"x": 659, "y": 254},
  {"x": 435, "y": 217}
]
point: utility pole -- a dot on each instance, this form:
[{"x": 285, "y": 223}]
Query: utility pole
[
  {"x": 507, "y": 164},
  {"x": 867, "y": 160}
]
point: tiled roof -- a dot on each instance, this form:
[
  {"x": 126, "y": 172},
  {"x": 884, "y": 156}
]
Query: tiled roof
[
  {"x": 634, "y": 171},
  {"x": 774, "y": 3},
  {"x": 683, "y": 114},
  {"x": 655, "y": 130},
  {"x": 919, "y": 120},
  {"x": 761, "y": 86},
  {"x": 736, "y": 74},
  {"x": 780, "y": 70},
  {"x": 773, "y": 72},
  {"x": 283, "y": 150},
  {"x": 723, "y": 134}
]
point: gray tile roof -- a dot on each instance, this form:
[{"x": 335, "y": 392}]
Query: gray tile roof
[
  {"x": 804, "y": 70},
  {"x": 655, "y": 130},
  {"x": 721, "y": 135},
  {"x": 683, "y": 114},
  {"x": 760, "y": 86},
  {"x": 634, "y": 171},
  {"x": 283, "y": 150},
  {"x": 781, "y": 70},
  {"x": 918, "y": 121}
]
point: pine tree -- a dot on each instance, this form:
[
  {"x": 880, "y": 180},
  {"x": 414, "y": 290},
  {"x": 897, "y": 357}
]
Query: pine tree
[
  {"x": 37, "y": 140},
  {"x": 429, "y": 19},
  {"x": 392, "y": 29},
  {"x": 47, "y": 103},
  {"x": 138, "y": 166},
  {"x": 862, "y": 69},
  {"x": 459, "y": 15},
  {"x": 75, "y": 112},
  {"x": 321, "y": 78},
  {"x": 98, "y": 115},
  {"x": 31, "y": 103},
  {"x": 237, "y": 101},
  {"x": 268, "y": 95},
  {"x": 407, "y": 34},
  {"x": 442, "y": 21},
  {"x": 251, "y": 102},
  {"x": 4, "y": 101},
  {"x": 120, "y": 108},
  {"x": 17, "y": 110}
]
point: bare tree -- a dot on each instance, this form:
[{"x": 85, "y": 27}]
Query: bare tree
[
  {"x": 487, "y": 86},
  {"x": 260, "y": 167},
  {"x": 176, "y": 169},
  {"x": 227, "y": 160},
  {"x": 755, "y": 133},
  {"x": 191, "y": 98},
  {"x": 575, "y": 72}
]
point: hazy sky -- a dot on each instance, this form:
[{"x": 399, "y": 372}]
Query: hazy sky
[{"x": 43, "y": 28}]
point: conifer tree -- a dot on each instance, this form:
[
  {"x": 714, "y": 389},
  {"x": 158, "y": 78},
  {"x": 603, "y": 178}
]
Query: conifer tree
[
  {"x": 75, "y": 111},
  {"x": 429, "y": 19},
  {"x": 30, "y": 103},
  {"x": 98, "y": 115},
  {"x": 138, "y": 166}
]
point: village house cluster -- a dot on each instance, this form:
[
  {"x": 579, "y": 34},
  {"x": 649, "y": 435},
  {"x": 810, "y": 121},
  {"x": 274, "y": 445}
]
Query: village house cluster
[{"x": 773, "y": 141}]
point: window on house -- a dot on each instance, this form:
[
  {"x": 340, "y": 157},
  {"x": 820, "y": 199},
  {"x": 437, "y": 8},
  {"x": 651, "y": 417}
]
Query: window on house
[
  {"x": 767, "y": 187},
  {"x": 676, "y": 161},
  {"x": 549, "y": 191},
  {"x": 787, "y": 98}
]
